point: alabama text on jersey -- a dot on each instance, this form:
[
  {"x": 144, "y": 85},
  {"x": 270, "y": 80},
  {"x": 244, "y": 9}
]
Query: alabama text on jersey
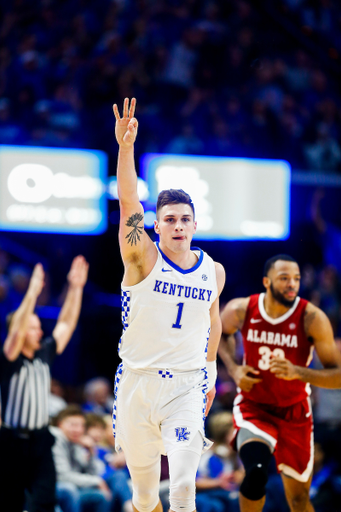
[{"x": 264, "y": 338}]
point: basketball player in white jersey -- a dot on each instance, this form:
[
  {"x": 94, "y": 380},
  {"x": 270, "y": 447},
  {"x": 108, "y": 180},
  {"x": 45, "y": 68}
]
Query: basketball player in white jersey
[{"x": 170, "y": 315}]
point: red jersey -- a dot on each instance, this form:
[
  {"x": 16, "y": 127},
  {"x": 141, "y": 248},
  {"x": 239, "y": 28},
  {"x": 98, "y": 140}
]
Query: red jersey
[{"x": 264, "y": 337}]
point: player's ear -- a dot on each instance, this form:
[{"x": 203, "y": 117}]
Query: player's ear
[
  {"x": 156, "y": 227},
  {"x": 195, "y": 226},
  {"x": 266, "y": 282}
]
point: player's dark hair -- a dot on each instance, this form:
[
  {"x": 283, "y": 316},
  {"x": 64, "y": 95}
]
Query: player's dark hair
[
  {"x": 271, "y": 261},
  {"x": 70, "y": 410},
  {"x": 174, "y": 196}
]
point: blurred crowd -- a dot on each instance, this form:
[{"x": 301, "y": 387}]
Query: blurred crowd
[{"x": 211, "y": 77}]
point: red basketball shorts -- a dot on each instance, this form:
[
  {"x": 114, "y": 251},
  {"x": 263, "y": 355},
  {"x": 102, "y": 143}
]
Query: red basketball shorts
[{"x": 289, "y": 430}]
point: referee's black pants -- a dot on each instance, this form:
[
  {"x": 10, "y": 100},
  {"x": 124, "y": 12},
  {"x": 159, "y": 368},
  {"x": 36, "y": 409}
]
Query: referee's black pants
[{"x": 26, "y": 464}]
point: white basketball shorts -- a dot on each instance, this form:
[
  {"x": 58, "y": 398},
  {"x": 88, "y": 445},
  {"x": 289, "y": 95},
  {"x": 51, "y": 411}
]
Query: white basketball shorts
[{"x": 157, "y": 412}]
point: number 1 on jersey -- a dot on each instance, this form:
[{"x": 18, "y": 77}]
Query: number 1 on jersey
[{"x": 177, "y": 324}]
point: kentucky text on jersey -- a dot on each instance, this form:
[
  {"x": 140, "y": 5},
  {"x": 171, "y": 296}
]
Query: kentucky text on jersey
[
  {"x": 182, "y": 291},
  {"x": 271, "y": 338}
]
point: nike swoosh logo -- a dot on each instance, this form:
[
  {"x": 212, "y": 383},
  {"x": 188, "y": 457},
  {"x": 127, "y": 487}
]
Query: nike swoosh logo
[
  {"x": 255, "y": 320},
  {"x": 166, "y": 270}
]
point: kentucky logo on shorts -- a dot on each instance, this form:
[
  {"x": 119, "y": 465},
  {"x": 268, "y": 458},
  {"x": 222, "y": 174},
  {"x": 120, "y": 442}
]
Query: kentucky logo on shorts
[{"x": 182, "y": 434}]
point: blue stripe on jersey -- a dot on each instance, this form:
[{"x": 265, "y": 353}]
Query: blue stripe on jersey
[
  {"x": 179, "y": 269},
  {"x": 125, "y": 309},
  {"x": 116, "y": 384}
]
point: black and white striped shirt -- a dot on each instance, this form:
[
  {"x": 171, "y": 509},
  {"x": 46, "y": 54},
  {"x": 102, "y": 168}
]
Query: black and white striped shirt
[{"x": 25, "y": 387}]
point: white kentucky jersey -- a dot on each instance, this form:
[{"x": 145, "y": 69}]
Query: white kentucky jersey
[{"x": 166, "y": 317}]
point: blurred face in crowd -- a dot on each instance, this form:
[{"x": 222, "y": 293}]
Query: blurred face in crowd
[
  {"x": 96, "y": 433},
  {"x": 109, "y": 438},
  {"x": 34, "y": 333},
  {"x": 283, "y": 282},
  {"x": 101, "y": 393},
  {"x": 73, "y": 428}
]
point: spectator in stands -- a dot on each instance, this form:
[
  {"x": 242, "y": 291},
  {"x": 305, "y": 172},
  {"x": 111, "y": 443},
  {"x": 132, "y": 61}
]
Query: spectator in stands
[
  {"x": 98, "y": 396},
  {"x": 56, "y": 398},
  {"x": 186, "y": 142},
  {"x": 322, "y": 494},
  {"x": 10, "y": 131},
  {"x": 220, "y": 472},
  {"x": 162, "y": 55},
  {"x": 20, "y": 278},
  {"x": 324, "y": 153},
  {"x": 330, "y": 232},
  {"x": 25, "y": 441},
  {"x": 78, "y": 483},
  {"x": 327, "y": 415},
  {"x": 117, "y": 479}
]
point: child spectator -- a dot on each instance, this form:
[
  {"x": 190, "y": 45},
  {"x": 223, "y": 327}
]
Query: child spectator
[
  {"x": 220, "y": 471},
  {"x": 78, "y": 483},
  {"x": 107, "y": 466}
]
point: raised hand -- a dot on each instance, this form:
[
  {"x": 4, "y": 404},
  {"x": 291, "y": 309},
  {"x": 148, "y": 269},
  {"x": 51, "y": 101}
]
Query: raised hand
[
  {"x": 126, "y": 126},
  {"x": 78, "y": 274},
  {"x": 37, "y": 280}
]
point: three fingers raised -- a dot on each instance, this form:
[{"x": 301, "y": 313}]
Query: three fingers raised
[{"x": 128, "y": 111}]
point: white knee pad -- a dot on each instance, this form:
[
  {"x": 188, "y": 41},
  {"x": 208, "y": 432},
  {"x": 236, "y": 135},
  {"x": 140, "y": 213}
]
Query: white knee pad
[
  {"x": 145, "y": 482},
  {"x": 183, "y": 466},
  {"x": 182, "y": 495}
]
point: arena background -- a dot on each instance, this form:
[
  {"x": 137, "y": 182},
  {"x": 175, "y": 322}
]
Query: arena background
[{"x": 232, "y": 78}]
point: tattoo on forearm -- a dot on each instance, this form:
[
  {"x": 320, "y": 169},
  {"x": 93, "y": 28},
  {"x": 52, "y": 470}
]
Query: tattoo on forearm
[{"x": 137, "y": 230}]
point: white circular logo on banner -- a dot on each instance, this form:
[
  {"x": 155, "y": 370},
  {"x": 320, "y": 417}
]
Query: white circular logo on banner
[{"x": 30, "y": 183}]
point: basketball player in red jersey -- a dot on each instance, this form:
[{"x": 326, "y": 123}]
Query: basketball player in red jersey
[{"x": 272, "y": 412}]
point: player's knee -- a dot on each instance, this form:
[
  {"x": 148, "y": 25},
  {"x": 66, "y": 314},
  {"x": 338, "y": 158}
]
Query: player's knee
[
  {"x": 145, "y": 500},
  {"x": 145, "y": 481},
  {"x": 253, "y": 485},
  {"x": 256, "y": 457},
  {"x": 298, "y": 502},
  {"x": 182, "y": 495}
]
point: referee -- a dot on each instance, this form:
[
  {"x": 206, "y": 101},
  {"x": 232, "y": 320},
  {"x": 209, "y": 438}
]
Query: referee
[{"x": 26, "y": 462}]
